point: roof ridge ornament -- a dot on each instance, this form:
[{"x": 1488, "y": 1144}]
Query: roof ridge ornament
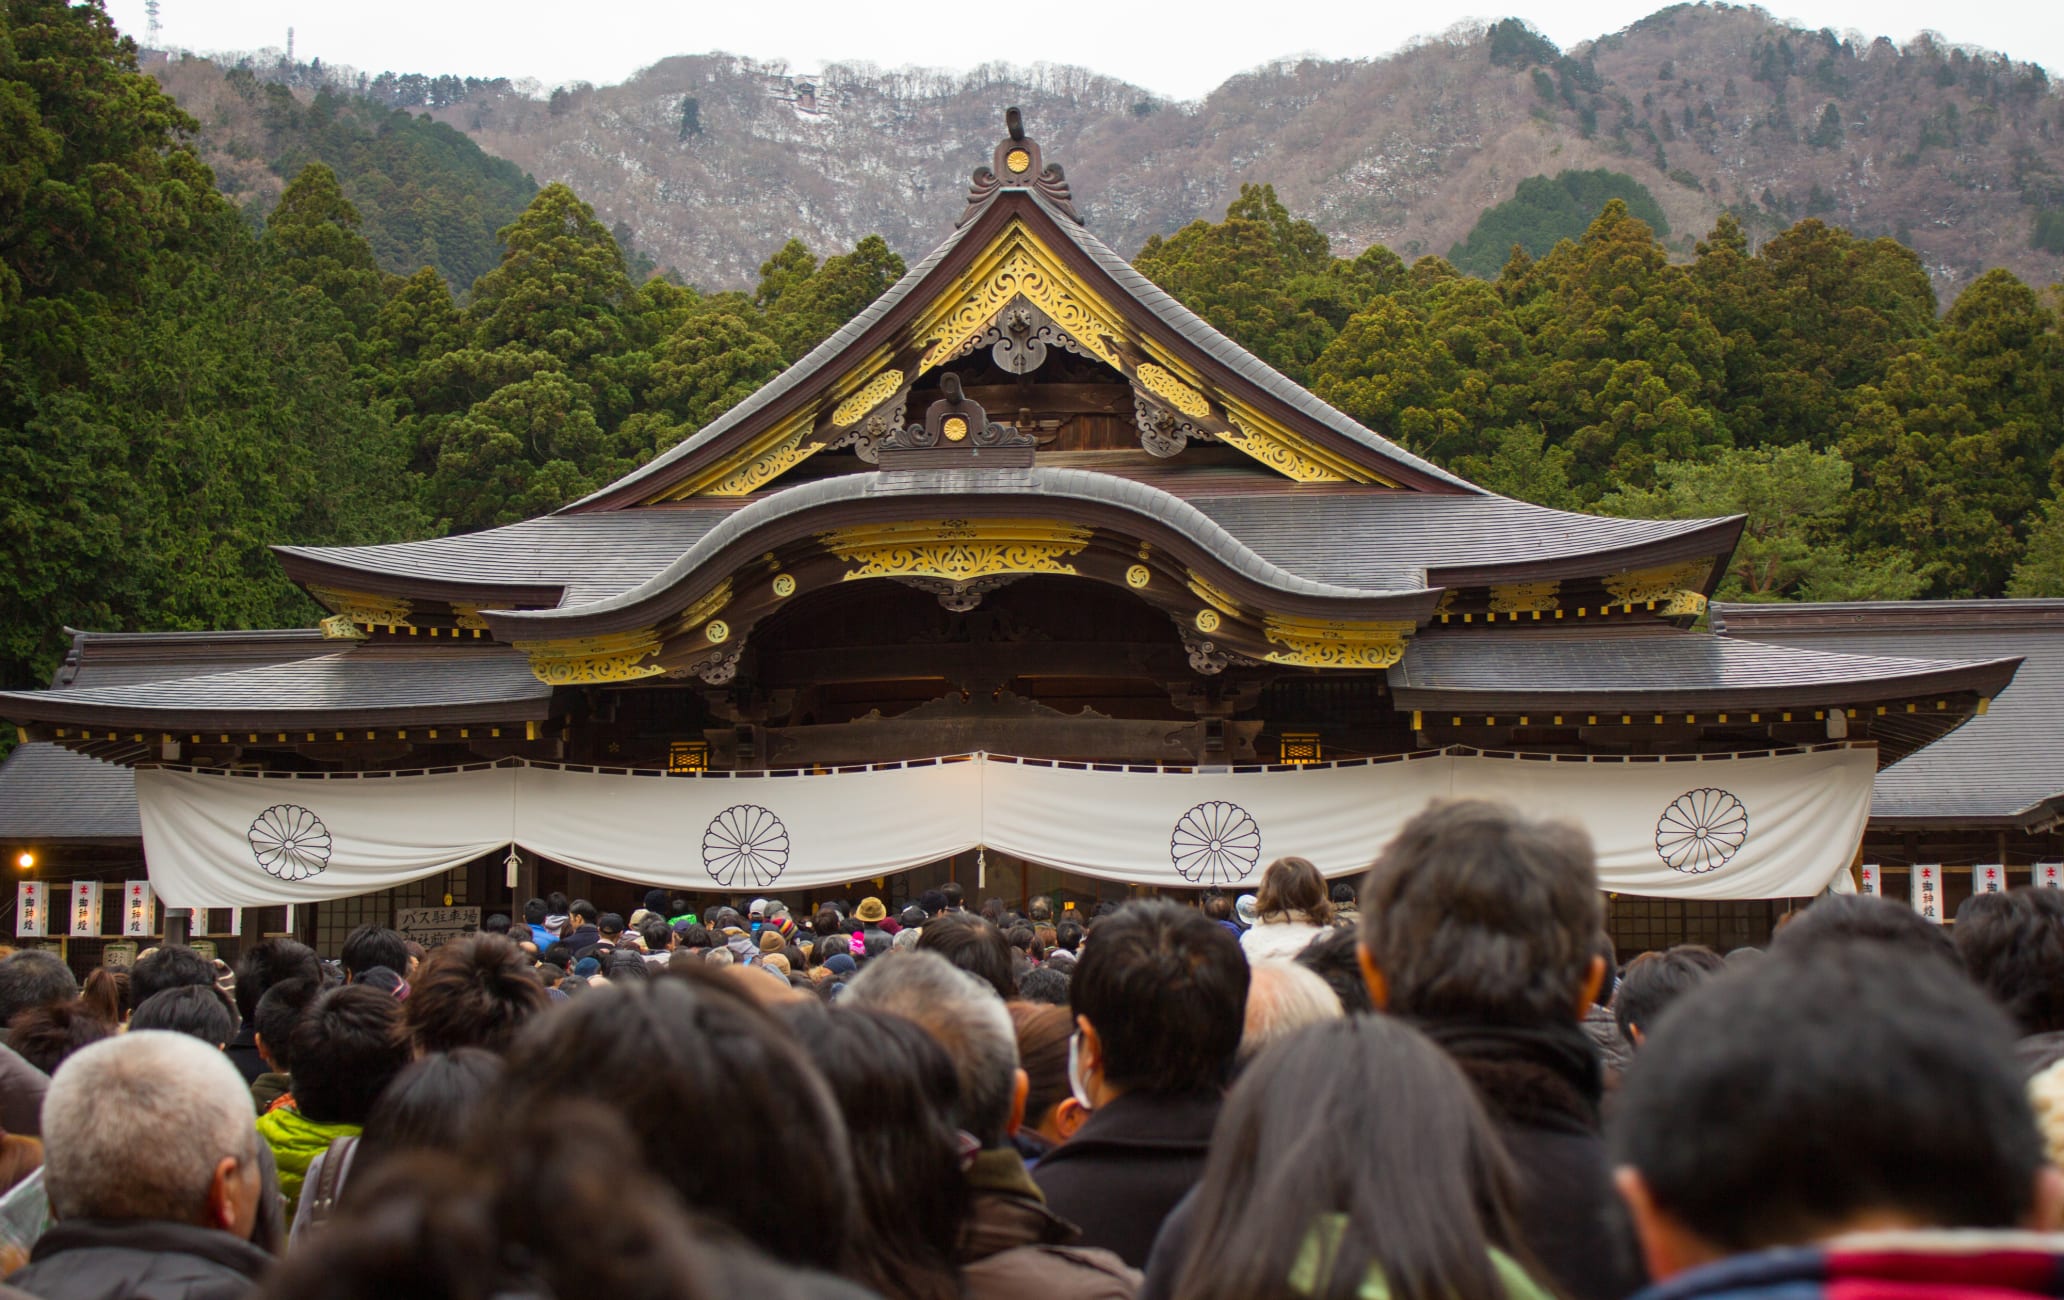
[
  {"x": 1017, "y": 165},
  {"x": 956, "y": 434}
]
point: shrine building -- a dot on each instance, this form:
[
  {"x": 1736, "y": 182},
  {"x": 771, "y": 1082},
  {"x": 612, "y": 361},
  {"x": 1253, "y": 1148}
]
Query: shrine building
[{"x": 1026, "y": 576}]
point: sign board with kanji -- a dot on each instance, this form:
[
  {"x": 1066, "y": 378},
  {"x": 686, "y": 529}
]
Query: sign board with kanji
[
  {"x": 85, "y": 909},
  {"x": 1988, "y": 879},
  {"x": 2050, "y": 875},
  {"x": 431, "y": 926},
  {"x": 1867, "y": 879},
  {"x": 118, "y": 956},
  {"x": 1927, "y": 891},
  {"x": 31, "y": 909},
  {"x": 139, "y": 910}
]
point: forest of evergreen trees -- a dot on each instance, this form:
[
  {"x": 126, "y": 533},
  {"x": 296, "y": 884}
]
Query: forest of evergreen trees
[{"x": 180, "y": 389}]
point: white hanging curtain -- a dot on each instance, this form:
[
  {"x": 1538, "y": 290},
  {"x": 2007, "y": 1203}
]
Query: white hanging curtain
[{"x": 1762, "y": 826}]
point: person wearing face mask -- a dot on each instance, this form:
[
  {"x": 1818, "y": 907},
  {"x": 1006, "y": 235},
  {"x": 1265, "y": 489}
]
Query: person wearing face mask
[{"x": 1159, "y": 998}]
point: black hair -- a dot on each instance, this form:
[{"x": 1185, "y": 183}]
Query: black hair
[
  {"x": 534, "y": 911},
  {"x": 278, "y": 1012},
  {"x": 198, "y": 1012},
  {"x": 1332, "y": 958},
  {"x": 1166, "y": 989},
  {"x": 499, "y": 923},
  {"x": 1043, "y": 984},
  {"x": 1068, "y": 935},
  {"x": 1478, "y": 914},
  {"x": 373, "y": 945},
  {"x": 265, "y": 964},
  {"x": 972, "y": 944},
  {"x": 1841, "y": 917},
  {"x": 475, "y": 991},
  {"x": 430, "y": 1106},
  {"x": 2012, "y": 945},
  {"x": 933, "y": 901},
  {"x": 1277, "y": 1168},
  {"x": 347, "y": 1048},
  {"x": 1829, "y": 1081},
  {"x": 1342, "y": 893},
  {"x": 625, "y": 964},
  {"x": 950, "y": 894},
  {"x": 656, "y": 933},
  {"x": 1656, "y": 979},
  {"x": 897, "y": 1089},
  {"x": 655, "y": 900},
  {"x": 556, "y": 904},
  {"x": 584, "y": 911},
  {"x": 687, "y": 1061},
  {"x": 697, "y": 936},
  {"x": 34, "y": 978},
  {"x": 168, "y": 966}
]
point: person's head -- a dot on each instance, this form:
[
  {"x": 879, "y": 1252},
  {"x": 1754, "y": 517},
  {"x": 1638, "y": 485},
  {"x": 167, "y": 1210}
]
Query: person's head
[
  {"x": 1068, "y": 936},
  {"x": 632, "y": 966},
  {"x": 168, "y": 966},
  {"x": 1838, "y": 918},
  {"x": 900, "y": 1096},
  {"x": 1476, "y": 913},
  {"x": 871, "y": 912},
  {"x": 1654, "y": 980},
  {"x": 1218, "y": 907},
  {"x": 374, "y": 945},
  {"x": 966, "y": 1017},
  {"x": 106, "y": 994},
  {"x": 1282, "y": 998},
  {"x": 556, "y": 904},
  {"x": 499, "y": 923},
  {"x": 278, "y": 1012},
  {"x": 2012, "y": 946},
  {"x": 975, "y": 946},
  {"x": 1044, "y": 985},
  {"x": 911, "y": 917},
  {"x": 202, "y": 1013},
  {"x": 711, "y": 1085},
  {"x": 534, "y": 912},
  {"x": 657, "y": 934},
  {"x": 1043, "y": 1033},
  {"x": 933, "y": 901},
  {"x": 1293, "y": 886},
  {"x": 44, "y": 1036},
  {"x": 1040, "y": 910},
  {"x": 33, "y": 978},
  {"x": 1332, "y": 957},
  {"x": 347, "y": 1047},
  {"x": 1159, "y": 998},
  {"x": 585, "y": 913},
  {"x": 611, "y": 925},
  {"x": 151, "y": 1125},
  {"x": 1830, "y": 1087},
  {"x": 825, "y": 922},
  {"x": 951, "y": 894},
  {"x": 475, "y": 991},
  {"x": 1424, "y": 1218},
  {"x": 265, "y": 964},
  {"x": 1342, "y": 894},
  {"x": 431, "y": 1105}
]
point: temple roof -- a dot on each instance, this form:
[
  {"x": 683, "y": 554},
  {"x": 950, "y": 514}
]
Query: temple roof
[
  {"x": 49, "y": 795},
  {"x": 1670, "y": 671},
  {"x": 2003, "y": 768},
  {"x": 357, "y": 685},
  {"x": 1335, "y": 536}
]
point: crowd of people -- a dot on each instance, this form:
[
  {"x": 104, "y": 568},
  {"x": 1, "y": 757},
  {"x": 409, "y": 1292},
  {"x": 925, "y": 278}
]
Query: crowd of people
[{"x": 1433, "y": 1086}]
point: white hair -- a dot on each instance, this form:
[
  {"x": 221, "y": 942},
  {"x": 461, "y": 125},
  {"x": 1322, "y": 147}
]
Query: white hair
[
  {"x": 964, "y": 1015},
  {"x": 1282, "y": 998},
  {"x": 134, "y": 1126}
]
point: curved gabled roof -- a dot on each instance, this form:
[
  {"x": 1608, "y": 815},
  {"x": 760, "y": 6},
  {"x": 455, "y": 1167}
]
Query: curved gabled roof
[
  {"x": 1143, "y": 305},
  {"x": 1341, "y": 536}
]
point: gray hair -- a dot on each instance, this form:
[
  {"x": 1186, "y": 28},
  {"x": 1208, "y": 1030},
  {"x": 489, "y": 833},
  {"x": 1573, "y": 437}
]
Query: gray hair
[
  {"x": 1282, "y": 998},
  {"x": 34, "y": 977},
  {"x": 133, "y": 1127},
  {"x": 966, "y": 1017},
  {"x": 906, "y": 939}
]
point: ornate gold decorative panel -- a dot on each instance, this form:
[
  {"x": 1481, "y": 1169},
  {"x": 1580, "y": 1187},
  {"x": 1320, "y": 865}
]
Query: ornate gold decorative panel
[
  {"x": 766, "y": 467},
  {"x": 1677, "y": 584},
  {"x": 623, "y": 657},
  {"x": 957, "y": 550},
  {"x": 1313, "y": 644},
  {"x": 1025, "y": 268},
  {"x": 1173, "y": 391},
  {"x": 1524, "y": 597},
  {"x": 1281, "y": 457},
  {"x": 877, "y": 390},
  {"x": 358, "y": 607}
]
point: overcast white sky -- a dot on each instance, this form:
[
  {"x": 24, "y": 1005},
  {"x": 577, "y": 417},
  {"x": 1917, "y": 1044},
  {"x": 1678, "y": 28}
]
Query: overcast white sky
[{"x": 1172, "y": 49}]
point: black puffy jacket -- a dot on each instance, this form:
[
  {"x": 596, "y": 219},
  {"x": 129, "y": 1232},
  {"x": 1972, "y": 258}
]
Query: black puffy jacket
[{"x": 139, "y": 1259}]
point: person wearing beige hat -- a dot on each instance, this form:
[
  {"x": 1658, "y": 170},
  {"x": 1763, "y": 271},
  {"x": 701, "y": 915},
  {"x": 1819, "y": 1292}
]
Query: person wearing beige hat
[{"x": 871, "y": 913}]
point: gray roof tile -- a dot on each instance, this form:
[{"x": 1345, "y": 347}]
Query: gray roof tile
[
  {"x": 50, "y": 795},
  {"x": 2004, "y": 765}
]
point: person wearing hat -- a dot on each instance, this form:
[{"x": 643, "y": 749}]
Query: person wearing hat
[
  {"x": 756, "y": 914},
  {"x": 1244, "y": 911},
  {"x": 870, "y": 914}
]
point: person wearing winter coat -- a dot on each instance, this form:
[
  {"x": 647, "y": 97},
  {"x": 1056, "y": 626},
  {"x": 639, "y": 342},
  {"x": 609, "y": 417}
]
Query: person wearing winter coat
[
  {"x": 176, "y": 1226},
  {"x": 345, "y": 1050},
  {"x": 1290, "y": 910},
  {"x": 1840, "y": 1119}
]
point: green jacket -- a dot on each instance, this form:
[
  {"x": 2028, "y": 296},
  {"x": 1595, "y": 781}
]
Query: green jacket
[
  {"x": 296, "y": 1141},
  {"x": 1315, "y": 1261}
]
